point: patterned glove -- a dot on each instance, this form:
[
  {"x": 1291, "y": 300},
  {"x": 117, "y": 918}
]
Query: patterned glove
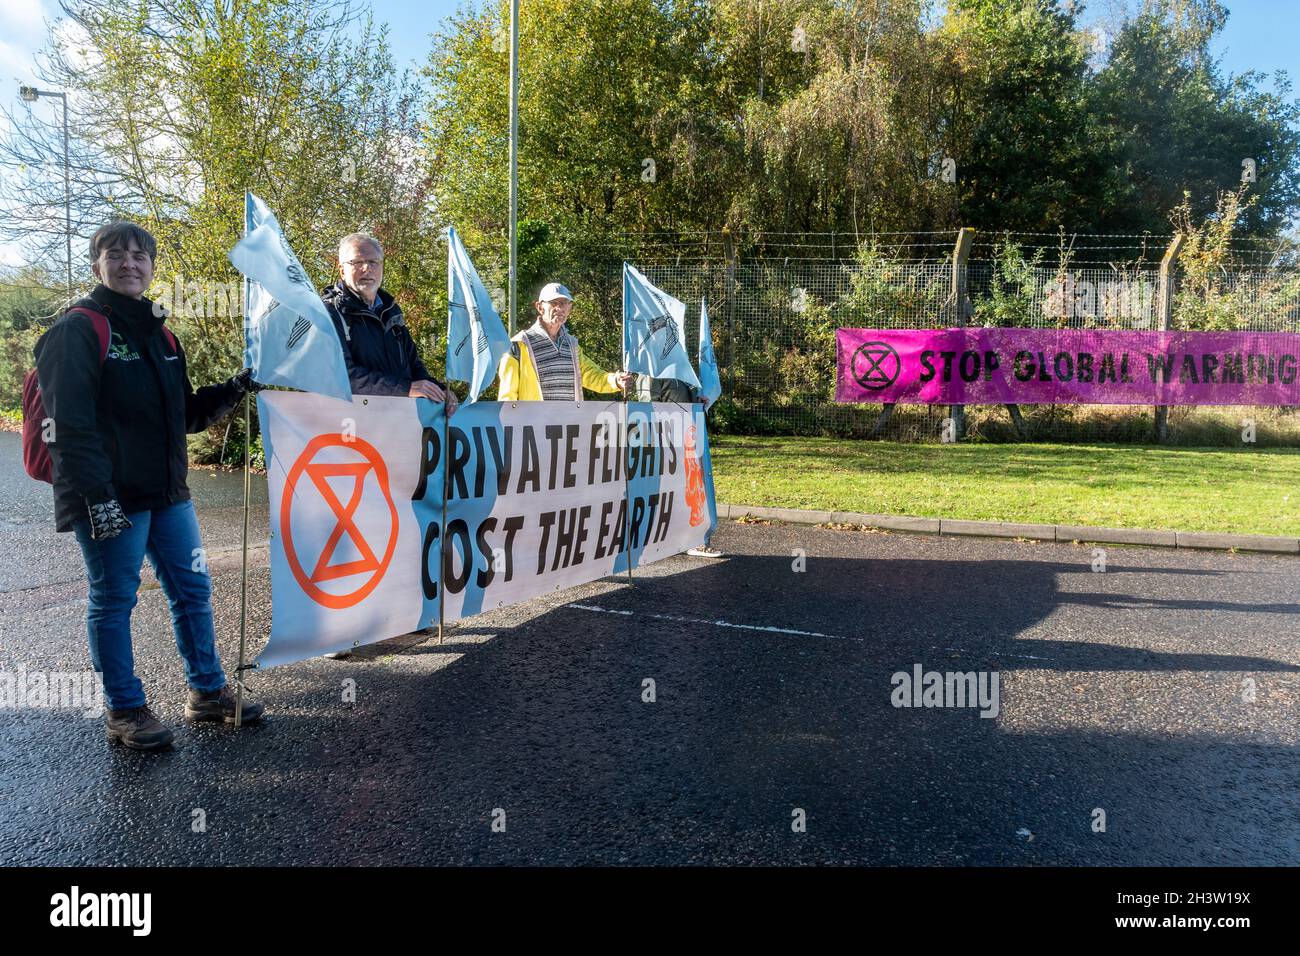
[{"x": 107, "y": 520}]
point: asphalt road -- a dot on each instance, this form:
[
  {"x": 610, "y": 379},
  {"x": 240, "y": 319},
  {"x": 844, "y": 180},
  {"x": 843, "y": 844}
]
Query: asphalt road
[{"x": 1127, "y": 691}]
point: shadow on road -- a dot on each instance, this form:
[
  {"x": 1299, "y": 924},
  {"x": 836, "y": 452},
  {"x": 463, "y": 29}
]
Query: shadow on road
[{"x": 544, "y": 724}]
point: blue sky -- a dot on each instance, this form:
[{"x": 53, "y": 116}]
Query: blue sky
[
  {"x": 1261, "y": 34},
  {"x": 411, "y": 22}
]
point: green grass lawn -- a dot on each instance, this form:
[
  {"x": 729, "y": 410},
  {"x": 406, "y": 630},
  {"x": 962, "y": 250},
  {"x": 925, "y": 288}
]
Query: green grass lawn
[{"x": 1248, "y": 490}]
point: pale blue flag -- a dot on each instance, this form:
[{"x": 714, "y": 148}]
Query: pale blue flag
[
  {"x": 710, "y": 382},
  {"x": 476, "y": 339},
  {"x": 289, "y": 338},
  {"x": 654, "y": 331}
]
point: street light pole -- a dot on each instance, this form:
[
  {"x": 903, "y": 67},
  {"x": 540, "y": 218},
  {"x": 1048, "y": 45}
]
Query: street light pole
[
  {"x": 67, "y": 195},
  {"x": 31, "y": 94},
  {"x": 514, "y": 156}
]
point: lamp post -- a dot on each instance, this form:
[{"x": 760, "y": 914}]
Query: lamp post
[
  {"x": 31, "y": 94},
  {"x": 514, "y": 155}
]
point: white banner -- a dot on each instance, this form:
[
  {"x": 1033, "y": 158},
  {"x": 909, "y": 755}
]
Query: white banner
[{"x": 541, "y": 496}]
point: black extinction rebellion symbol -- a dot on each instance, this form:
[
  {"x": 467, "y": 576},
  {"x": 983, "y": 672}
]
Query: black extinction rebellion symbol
[{"x": 881, "y": 362}]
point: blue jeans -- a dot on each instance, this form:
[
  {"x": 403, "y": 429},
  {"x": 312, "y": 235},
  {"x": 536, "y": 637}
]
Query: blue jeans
[{"x": 170, "y": 538}]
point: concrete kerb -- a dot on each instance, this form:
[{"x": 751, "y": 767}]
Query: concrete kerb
[
  {"x": 1242, "y": 542},
  {"x": 1150, "y": 539},
  {"x": 1063, "y": 534},
  {"x": 999, "y": 529}
]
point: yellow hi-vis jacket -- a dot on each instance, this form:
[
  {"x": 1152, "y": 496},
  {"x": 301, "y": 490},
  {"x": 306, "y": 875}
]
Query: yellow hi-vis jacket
[{"x": 519, "y": 381}]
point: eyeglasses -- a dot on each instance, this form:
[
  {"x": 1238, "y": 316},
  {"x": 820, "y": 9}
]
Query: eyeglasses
[{"x": 368, "y": 263}]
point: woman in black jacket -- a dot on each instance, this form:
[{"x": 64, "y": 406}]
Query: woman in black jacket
[{"x": 118, "y": 453}]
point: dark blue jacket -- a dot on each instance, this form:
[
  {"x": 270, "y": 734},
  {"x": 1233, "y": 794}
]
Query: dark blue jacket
[{"x": 380, "y": 353}]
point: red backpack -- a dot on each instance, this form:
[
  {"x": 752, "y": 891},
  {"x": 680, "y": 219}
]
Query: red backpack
[{"x": 36, "y": 453}]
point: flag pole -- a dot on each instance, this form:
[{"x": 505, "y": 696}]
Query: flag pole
[
  {"x": 627, "y": 491},
  {"x": 243, "y": 564},
  {"x": 627, "y": 481},
  {"x": 514, "y": 153},
  {"x": 446, "y": 474}
]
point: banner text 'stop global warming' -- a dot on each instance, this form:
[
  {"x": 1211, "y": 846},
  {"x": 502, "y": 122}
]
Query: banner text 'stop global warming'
[{"x": 1065, "y": 366}]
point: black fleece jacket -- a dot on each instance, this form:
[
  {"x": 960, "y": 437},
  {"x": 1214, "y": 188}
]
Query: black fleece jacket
[
  {"x": 119, "y": 427},
  {"x": 380, "y": 353}
]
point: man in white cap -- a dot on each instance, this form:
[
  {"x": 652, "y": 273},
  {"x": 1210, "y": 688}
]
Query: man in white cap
[{"x": 544, "y": 362}]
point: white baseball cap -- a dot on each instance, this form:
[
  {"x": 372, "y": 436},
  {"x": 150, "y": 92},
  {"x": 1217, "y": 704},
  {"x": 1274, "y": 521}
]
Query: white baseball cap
[{"x": 552, "y": 291}]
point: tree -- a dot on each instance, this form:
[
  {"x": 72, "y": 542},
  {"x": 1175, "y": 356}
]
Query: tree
[
  {"x": 176, "y": 109},
  {"x": 1182, "y": 127},
  {"x": 841, "y": 112},
  {"x": 617, "y": 134},
  {"x": 1028, "y": 153},
  {"x": 29, "y": 299}
]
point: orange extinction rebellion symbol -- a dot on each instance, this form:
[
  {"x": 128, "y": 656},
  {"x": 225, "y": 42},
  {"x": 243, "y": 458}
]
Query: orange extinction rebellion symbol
[{"x": 345, "y": 522}]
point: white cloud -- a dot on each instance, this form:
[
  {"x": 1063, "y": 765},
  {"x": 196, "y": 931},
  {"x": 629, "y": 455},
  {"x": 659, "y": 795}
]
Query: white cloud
[
  {"x": 21, "y": 66},
  {"x": 23, "y": 18},
  {"x": 73, "y": 40},
  {"x": 12, "y": 254},
  {"x": 24, "y": 27}
]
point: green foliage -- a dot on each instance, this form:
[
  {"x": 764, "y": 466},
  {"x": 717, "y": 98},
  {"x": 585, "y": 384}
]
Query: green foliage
[
  {"x": 223, "y": 443},
  {"x": 1012, "y": 290},
  {"x": 1213, "y": 292},
  {"x": 1029, "y": 152},
  {"x": 28, "y": 301},
  {"x": 194, "y": 103},
  {"x": 1181, "y": 127},
  {"x": 835, "y": 115},
  {"x": 883, "y": 289}
]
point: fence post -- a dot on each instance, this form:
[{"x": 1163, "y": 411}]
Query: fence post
[
  {"x": 961, "y": 305},
  {"x": 729, "y": 250},
  {"x": 1164, "y": 312}
]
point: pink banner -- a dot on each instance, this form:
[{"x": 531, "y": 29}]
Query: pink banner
[{"x": 1062, "y": 366}]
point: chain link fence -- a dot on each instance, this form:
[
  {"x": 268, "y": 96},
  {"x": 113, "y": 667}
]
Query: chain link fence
[{"x": 774, "y": 319}]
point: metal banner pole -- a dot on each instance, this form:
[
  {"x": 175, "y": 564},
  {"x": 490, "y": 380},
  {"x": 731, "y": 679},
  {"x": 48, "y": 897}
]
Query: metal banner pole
[
  {"x": 442, "y": 550},
  {"x": 514, "y": 152},
  {"x": 243, "y": 566}
]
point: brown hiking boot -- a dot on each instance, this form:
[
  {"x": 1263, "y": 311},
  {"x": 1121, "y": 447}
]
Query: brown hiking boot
[
  {"x": 219, "y": 705},
  {"x": 137, "y": 728}
]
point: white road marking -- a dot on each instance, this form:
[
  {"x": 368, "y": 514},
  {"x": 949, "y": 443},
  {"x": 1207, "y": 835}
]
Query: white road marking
[
  {"x": 602, "y": 610},
  {"x": 700, "y": 620},
  {"x": 994, "y": 653},
  {"x": 772, "y": 630}
]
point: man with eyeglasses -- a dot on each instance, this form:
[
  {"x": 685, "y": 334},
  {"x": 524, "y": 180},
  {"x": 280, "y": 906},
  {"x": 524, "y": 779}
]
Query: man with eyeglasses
[{"x": 380, "y": 353}]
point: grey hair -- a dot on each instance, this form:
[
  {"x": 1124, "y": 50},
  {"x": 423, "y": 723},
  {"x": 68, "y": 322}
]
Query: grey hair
[{"x": 358, "y": 238}]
